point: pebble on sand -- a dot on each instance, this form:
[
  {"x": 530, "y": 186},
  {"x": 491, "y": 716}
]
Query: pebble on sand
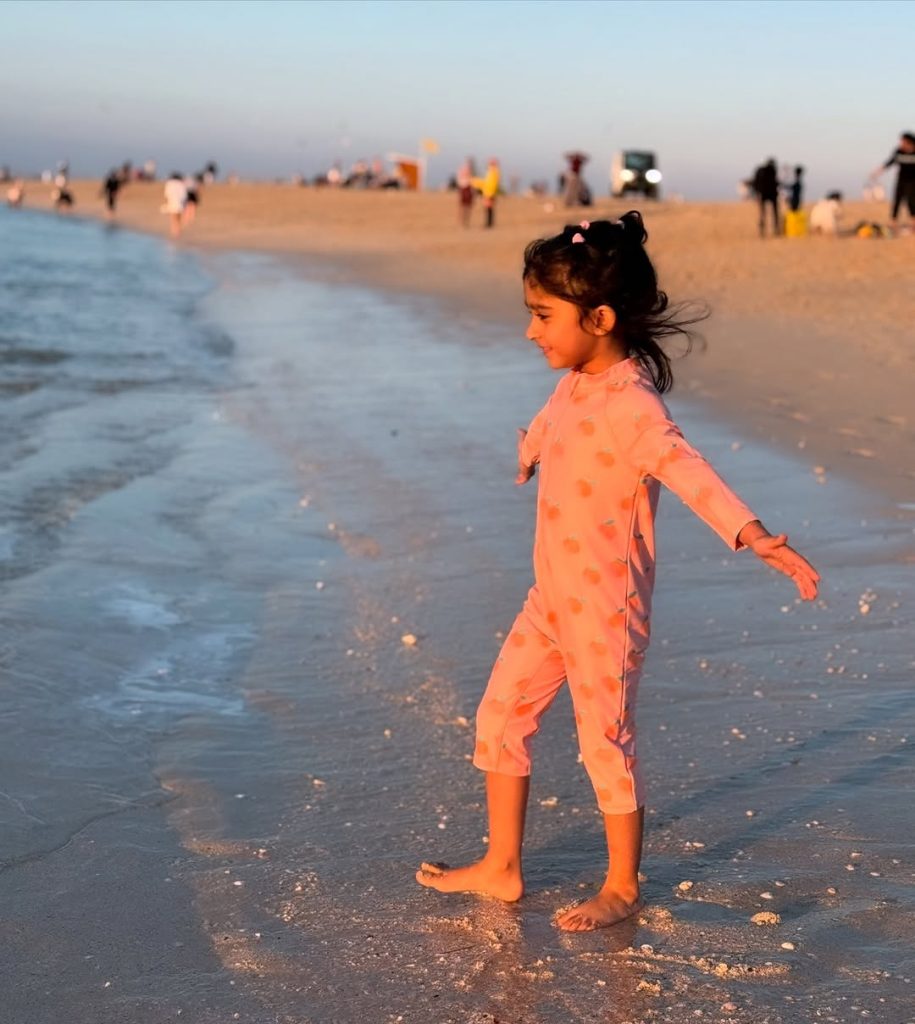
[
  {"x": 765, "y": 917},
  {"x": 408, "y": 640},
  {"x": 685, "y": 886},
  {"x": 652, "y": 987}
]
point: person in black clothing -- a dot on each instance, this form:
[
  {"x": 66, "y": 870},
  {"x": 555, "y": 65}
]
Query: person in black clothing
[
  {"x": 796, "y": 190},
  {"x": 765, "y": 185},
  {"x": 110, "y": 188},
  {"x": 904, "y": 159}
]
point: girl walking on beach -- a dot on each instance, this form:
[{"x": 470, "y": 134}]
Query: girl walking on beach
[{"x": 603, "y": 441}]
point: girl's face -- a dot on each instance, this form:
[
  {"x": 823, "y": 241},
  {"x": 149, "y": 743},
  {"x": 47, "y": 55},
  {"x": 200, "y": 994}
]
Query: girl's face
[{"x": 557, "y": 330}]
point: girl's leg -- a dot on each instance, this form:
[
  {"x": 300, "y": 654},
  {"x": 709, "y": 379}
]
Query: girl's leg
[
  {"x": 524, "y": 682},
  {"x": 605, "y": 715},
  {"x": 498, "y": 872},
  {"x": 619, "y": 896}
]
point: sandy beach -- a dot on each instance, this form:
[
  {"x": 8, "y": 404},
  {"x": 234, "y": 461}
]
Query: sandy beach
[
  {"x": 236, "y": 534},
  {"x": 810, "y": 341}
]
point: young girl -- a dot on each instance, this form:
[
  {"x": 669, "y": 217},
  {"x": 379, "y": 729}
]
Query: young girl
[{"x": 603, "y": 442}]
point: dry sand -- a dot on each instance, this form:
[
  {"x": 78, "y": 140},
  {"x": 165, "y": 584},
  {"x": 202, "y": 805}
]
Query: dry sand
[{"x": 810, "y": 343}]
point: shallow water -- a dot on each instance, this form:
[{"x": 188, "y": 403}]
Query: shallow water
[{"x": 246, "y": 762}]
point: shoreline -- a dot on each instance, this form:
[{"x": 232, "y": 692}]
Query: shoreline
[{"x": 801, "y": 336}]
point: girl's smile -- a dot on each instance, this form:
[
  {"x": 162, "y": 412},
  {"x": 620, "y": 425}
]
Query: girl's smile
[{"x": 566, "y": 338}]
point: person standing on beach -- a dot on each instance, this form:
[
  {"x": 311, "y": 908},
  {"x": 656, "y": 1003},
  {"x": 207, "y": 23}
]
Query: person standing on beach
[
  {"x": 175, "y": 200},
  {"x": 464, "y": 182},
  {"x": 904, "y": 159},
  {"x": 574, "y": 190},
  {"x": 489, "y": 186},
  {"x": 110, "y": 188},
  {"x": 796, "y": 190},
  {"x": 603, "y": 443},
  {"x": 15, "y": 194},
  {"x": 765, "y": 185},
  {"x": 192, "y": 187}
]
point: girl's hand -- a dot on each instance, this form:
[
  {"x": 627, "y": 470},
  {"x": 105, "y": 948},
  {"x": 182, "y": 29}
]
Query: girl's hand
[
  {"x": 774, "y": 551},
  {"x": 525, "y": 472}
]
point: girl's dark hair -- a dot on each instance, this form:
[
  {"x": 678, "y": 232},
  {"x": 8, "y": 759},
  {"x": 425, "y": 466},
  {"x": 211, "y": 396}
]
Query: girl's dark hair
[{"x": 604, "y": 263}]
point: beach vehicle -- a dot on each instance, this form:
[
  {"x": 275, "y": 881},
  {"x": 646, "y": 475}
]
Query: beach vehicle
[{"x": 635, "y": 170}]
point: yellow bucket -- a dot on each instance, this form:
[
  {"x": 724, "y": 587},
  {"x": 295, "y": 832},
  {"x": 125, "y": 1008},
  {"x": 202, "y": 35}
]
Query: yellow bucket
[{"x": 795, "y": 224}]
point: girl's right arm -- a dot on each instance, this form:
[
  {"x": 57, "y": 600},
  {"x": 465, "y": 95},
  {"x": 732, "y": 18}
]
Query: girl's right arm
[{"x": 529, "y": 442}]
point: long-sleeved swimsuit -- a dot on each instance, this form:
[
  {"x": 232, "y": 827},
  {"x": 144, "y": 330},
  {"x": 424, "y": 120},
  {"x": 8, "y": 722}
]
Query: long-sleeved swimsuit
[{"x": 603, "y": 442}]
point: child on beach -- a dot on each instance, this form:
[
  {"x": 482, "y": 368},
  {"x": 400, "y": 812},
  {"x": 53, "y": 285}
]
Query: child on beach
[{"x": 603, "y": 442}]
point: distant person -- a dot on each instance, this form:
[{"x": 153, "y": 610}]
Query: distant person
[
  {"x": 765, "y": 186},
  {"x": 904, "y": 159},
  {"x": 574, "y": 190},
  {"x": 192, "y": 188},
  {"x": 826, "y": 215},
  {"x": 795, "y": 190},
  {"x": 603, "y": 443},
  {"x": 15, "y": 194},
  {"x": 62, "y": 198},
  {"x": 175, "y": 199},
  {"x": 464, "y": 184},
  {"x": 335, "y": 175},
  {"x": 110, "y": 188},
  {"x": 489, "y": 187},
  {"x": 376, "y": 172}
]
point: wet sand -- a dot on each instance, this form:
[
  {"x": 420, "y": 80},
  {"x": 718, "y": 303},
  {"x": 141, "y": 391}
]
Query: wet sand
[
  {"x": 811, "y": 340},
  {"x": 775, "y": 733},
  {"x": 267, "y": 873}
]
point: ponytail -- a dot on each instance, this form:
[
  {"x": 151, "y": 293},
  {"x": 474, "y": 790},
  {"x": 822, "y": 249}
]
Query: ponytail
[{"x": 604, "y": 263}]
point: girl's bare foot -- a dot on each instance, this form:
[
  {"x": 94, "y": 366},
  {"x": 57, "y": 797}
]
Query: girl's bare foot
[
  {"x": 605, "y": 908},
  {"x": 502, "y": 881}
]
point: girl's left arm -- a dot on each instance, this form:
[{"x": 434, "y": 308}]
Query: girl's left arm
[
  {"x": 660, "y": 450},
  {"x": 775, "y": 552}
]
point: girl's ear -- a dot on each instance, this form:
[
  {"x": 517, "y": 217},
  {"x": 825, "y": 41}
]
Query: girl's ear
[{"x": 603, "y": 320}]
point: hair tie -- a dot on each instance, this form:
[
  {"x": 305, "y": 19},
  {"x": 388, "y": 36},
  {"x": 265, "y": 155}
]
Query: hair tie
[
  {"x": 577, "y": 237},
  {"x": 585, "y": 224}
]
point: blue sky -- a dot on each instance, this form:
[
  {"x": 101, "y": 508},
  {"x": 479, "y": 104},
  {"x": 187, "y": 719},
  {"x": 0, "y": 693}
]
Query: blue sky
[{"x": 272, "y": 88}]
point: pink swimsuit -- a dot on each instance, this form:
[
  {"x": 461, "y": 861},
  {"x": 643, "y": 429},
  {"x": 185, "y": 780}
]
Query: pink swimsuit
[{"x": 603, "y": 441}]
